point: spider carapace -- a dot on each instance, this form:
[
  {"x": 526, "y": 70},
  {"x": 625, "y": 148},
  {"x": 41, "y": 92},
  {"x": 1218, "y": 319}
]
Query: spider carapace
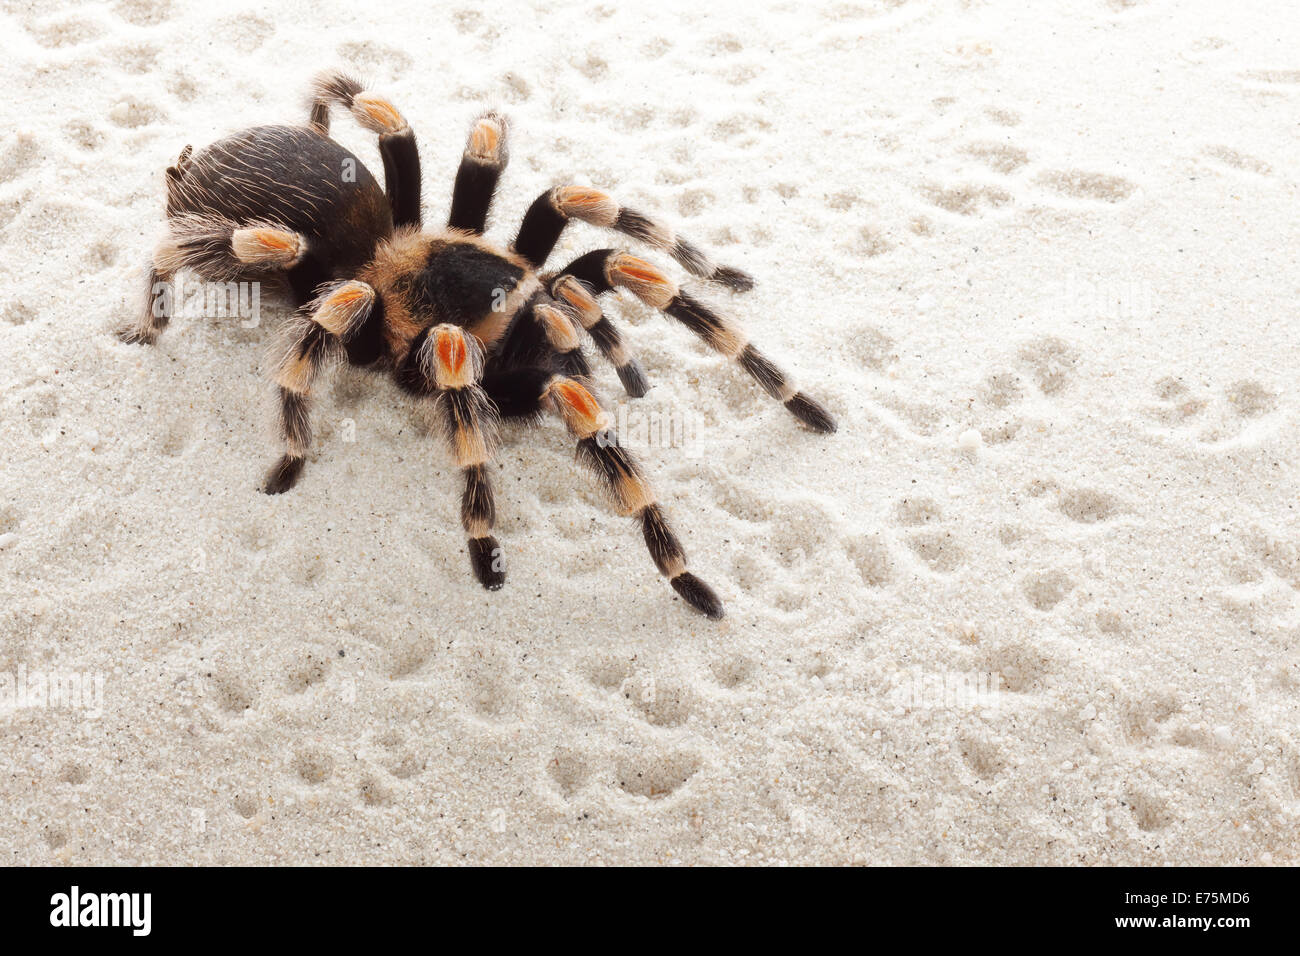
[{"x": 479, "y": 331}]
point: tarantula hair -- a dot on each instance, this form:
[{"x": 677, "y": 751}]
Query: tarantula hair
[{"x": 477, "y": 330}]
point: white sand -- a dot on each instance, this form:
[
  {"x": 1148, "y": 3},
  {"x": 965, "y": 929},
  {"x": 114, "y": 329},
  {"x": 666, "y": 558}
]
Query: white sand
[{"x": 1043, "y": 266}]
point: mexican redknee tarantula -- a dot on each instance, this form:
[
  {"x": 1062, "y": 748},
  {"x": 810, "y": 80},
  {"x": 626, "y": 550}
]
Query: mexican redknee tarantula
[{"x": 479, "y": 330}]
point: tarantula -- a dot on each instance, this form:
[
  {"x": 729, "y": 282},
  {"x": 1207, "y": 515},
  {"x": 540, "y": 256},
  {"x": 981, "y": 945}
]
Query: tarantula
[{"x": 479, "y": 330}]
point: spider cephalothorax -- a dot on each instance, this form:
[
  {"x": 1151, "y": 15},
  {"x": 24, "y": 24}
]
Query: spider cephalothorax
[{"x": 478, "y": 330}]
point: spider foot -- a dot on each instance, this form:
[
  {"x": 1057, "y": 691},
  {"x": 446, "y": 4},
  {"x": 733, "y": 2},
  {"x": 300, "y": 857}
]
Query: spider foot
[
  {"x": 488, "y": 561},
  {"x": 284, "y": 474},
  {"x": 811, "y": 412},
  {"x": 632, "y": 375},
  {"x": 698, "y": 595},
  {"x": 136, "y": 334}
]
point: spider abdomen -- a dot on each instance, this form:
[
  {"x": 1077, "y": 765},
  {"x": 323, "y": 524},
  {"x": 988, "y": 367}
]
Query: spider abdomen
[{"x": 295, "y": 178}]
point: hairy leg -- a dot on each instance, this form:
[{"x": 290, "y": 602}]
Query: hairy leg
[
  {"x": 553, "y": 209},
  {"x": 607, "y": 269},
  {"x": 627, "y": 487},
  {"x": 481, "y": 166},
  {"x": 216, "y": 250},
  {"x": 396, "y": 139},
  {"x": 446, "y": 364},
  {"x": 585, "y": 307},
  {"x": 311, "y": 340}
]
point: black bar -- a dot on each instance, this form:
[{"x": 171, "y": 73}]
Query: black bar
[{"x": 924, "y": 906}]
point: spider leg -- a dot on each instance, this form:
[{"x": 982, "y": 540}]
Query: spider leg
[
  {"x": 559, "y": 323},
  {"x": 154, "y": 311},
  {"x": 217, "y": 250},
  {"x": 481, "y": 166},
  {"x": 541, "y": 331},
  {"x": 156, "y": 306},
  {"x": 607, "y": 269},
  {"x": 312, "y": 339},
  {"x": 552, "y": 210},
  {"x": 446, "y": 363},
  {"x": 396, "y": 139},
  {"x": 578, "y": 296},
  {"x": 630, "y": 492}
]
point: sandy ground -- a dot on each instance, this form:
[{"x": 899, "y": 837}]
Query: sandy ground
[{"x": 1038, "y": 601}]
